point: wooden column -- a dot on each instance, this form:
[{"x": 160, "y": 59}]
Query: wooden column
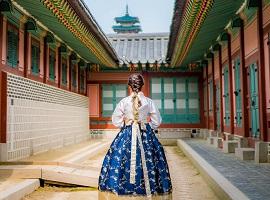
[
  {"x": 261, "y": 73},
  {"x": 244, "y": 90},
  {"x": 230, "y": 85},
  {"x": 146, "y": 87},
  {"x": 3, "y": 106},
  {"x": 69, "y": 73},
  {"x": 26, "y": 51},
  {"x": 221, "y": 90},
  {"x": 59, "y": 67},
  {"x": 214, "y": 94},
  {"x": 201, "y": 94},
  {"x": 79, "y": 79},
  {"x": 45, "y": 60},
  {"x": 207, "y": 94},
  {"x": 1, "y": 38}
]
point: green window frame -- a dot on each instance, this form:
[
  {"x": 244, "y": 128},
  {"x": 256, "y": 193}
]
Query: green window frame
[
  {"x": 12, "y": 46},
  {"x": 52, "y": 64},
  {"x": 211, "y": 97},
  {"x": 35, "y": 56},
  {"x": 73, "y": 74},
  {"x": 218, "y": 106},
  {"x": 82, "y": 82},
  {"x": 237, "y": 93},
  {"x": 254, "y": 101},
  {"x": 205, "y": 97},
  {"x": 226, "y": 95},
  {"x": 111, "y": 96},
  {"x": 64, "y": 71},
  {"x": 177, "y": 99}
]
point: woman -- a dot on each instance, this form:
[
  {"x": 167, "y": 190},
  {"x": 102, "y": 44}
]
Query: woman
[{"x": 135, "y": 163}]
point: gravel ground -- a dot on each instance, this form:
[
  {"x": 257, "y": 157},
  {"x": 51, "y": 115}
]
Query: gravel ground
[{"x": 186, "y": 180}]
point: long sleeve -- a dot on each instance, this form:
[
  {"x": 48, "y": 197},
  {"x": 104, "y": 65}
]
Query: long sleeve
[
  {"x": 155, "y": 118},
  {"x": 118, "y": 115}
]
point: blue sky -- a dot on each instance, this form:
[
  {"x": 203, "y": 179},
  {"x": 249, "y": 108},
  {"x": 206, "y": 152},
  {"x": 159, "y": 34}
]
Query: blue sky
[{"x": 155, "y": 15}]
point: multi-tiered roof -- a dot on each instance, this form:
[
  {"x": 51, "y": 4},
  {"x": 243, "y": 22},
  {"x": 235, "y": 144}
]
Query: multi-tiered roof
[{"x": 127, "y": 24}]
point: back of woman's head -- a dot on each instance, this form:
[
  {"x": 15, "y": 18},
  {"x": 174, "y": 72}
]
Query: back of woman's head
[{"x": 136, "y": 81}]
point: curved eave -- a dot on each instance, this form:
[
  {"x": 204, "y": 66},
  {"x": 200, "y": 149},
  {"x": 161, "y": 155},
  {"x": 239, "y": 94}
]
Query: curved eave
[
  {"x": 199, "y": 26},
  {"x": 179, "y": 7},
  {"x": 88, "y": 19},
  {"x": 75, "y": 26},
  {"x": 127, "y": 19},
  {"x": 125, "y": 28}
]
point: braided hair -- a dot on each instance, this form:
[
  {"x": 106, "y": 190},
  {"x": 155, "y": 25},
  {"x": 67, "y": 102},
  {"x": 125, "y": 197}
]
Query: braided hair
[{"x": 136, "y": 81}]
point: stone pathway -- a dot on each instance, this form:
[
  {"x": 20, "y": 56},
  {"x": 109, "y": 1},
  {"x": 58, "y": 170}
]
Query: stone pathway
[
  {"x": 251, "y": 178},
  {"x": 187, "y": 182}
]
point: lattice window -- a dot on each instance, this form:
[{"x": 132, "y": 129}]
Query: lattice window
[
  {"x": 12, "y": 46},
  {"x": 64, "y": 71},
  {"x": 19, "y": 87},
  {"x": 177, "y": 99},
  {"x": 111, "y": 95},
  {"x": 52, "y": 65},
  {"x": 35, "y": 56}
]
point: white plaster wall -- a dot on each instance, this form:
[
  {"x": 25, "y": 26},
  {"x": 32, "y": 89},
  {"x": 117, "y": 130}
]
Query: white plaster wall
[{"x": 41, "y": 117}]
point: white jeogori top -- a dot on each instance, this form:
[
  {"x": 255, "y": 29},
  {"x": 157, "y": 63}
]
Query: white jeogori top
[{"x": 124, "y": 111}]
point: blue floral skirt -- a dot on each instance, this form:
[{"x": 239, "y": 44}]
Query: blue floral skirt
[{"x": 115, "y": 172}]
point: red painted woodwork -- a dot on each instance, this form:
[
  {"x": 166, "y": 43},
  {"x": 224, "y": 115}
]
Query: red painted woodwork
[
  {"x": 59, "y": 66},
  {"x": 3, "y": 107},
  {"x": 244, "y": 89},
  {"x": 207, "y": 104},
  {"x": 1, "y": 36},
  {"x": 45, "y": 61},
  {"x": 94, "y": 101},
  {"x": 221, "y": 90},
  {"x": 201, "y": 89},
  {"x": 231, "y": 86},
  {"x": 110, "y": 126},
  {"x": 261, "y": 73},
  {"x": 214, "y": 95},
  {"x": 69, "y": 70}
]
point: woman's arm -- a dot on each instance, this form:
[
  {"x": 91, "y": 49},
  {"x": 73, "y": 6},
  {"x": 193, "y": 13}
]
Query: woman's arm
[
  {"x": 155, "y": 118},
  {"x": 118, "y": 115}
]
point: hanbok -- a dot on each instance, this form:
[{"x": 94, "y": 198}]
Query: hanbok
[{"x": 135, "y": 163}]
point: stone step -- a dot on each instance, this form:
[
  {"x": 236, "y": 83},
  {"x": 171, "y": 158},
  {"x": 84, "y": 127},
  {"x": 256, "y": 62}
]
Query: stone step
[
  {"x": 245, "y": 153},
  {"x": 229, "y": 146}
]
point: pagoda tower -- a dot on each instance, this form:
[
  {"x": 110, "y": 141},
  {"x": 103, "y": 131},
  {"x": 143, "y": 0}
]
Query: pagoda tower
[{"x": 127, "y": 24}]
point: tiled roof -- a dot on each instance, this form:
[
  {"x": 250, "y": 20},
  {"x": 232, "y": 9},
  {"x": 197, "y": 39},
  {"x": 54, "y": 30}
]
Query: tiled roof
[
  {"x": 141, "y": 47},
  {"x": 127, "y": 19}
]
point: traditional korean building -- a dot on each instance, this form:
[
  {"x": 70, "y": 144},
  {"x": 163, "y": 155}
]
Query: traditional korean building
[
  {"x": 60, "y": 75},
  {"x": 176, "y": 91},
  {"x": 46, "y": 48},
  {"x": 230, "y": 40}
]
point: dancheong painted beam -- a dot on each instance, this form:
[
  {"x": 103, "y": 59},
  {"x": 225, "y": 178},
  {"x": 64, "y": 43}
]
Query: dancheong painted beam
[
  {"x": 74, "y": 23},
  {"x": 201, "y": 22}
]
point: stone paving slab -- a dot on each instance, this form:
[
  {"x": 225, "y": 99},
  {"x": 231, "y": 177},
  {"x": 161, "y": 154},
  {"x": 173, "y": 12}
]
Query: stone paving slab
[{"x": 251, "y": 178}]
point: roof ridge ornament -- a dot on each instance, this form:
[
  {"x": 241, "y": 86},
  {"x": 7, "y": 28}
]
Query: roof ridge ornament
[{"x": 127, "y": 10}]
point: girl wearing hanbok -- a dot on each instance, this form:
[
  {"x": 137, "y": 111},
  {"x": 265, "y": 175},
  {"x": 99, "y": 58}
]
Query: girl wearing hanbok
[{"x": 135, "y": 164}]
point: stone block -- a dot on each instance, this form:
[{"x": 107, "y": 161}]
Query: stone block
[
  {"x": 245, "y": 153},
  {"x": 261, "y": 152},
  {"x": 212, "y": 133},
  {"x": 217, "y": 142},
  {"x": 210, "y": 140},
  {"x": 229, "y": 146},
  {"x": 3, "y": 152},
  {"x": 203, "y": 133},
  {"x": 242, "y": 142},
  {"x": 229, "y": 137}
]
